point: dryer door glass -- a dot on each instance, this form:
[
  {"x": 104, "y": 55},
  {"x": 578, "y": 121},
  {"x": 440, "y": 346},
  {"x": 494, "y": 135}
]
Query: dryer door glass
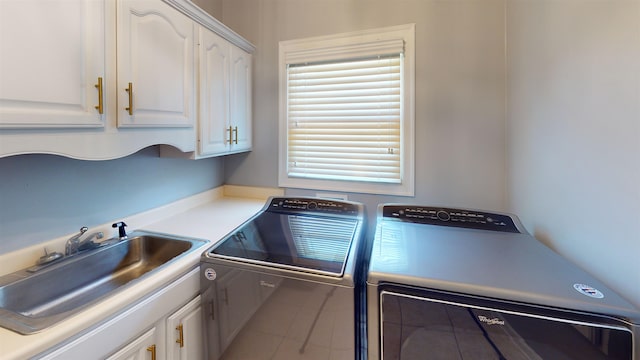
[{"x": 414, "y": 327}]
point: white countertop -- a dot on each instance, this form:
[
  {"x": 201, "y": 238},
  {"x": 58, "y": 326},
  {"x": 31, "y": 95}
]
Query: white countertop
[{"x": 208, "y": 216}]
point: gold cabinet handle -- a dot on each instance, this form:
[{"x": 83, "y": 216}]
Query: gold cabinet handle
[
  {"x": 230, "y": 131},
  {"x": 180, "y": 336},
  {"x": 152, "y": 350},
  {"x": 130, "y": 91},
  {"x": 100, "y": 105},
  {"x": 235, "y": 130}
]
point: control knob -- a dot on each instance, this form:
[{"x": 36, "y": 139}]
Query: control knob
[{"x": 443, "y": 215}]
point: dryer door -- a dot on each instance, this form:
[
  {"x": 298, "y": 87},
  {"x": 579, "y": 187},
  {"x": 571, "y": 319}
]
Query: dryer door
[{"x": 427, "y": 325}]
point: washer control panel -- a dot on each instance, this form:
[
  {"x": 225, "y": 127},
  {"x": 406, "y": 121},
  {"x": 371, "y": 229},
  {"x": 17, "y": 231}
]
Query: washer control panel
[
  {"x": 314, "y": 205},
  {"x": 464, "y": 218}
]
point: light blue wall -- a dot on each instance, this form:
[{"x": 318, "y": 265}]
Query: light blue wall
[{"x": 43, "y": 197}]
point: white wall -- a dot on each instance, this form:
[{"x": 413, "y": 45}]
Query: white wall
[
  {"x": 213, "y": 7},
  {"x": 460, "y": 148},
  {"x": 572, "y": 94},
  {"x": 574, "y": 131}
]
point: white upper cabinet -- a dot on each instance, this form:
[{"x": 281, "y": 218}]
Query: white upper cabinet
[
  {"x": 224, "y": 119},
  {"x": 224, "y": 122},
  {"x": 240, "y": 112},
  {"x": 64, "y": 68},
  {"x": 214, "y": 74},
  {"x": 155, "y": 65},
  {"x": 224, "y": 70},
  {"x": 52, "y": 54},
  {"x": 102, "y": 79}
]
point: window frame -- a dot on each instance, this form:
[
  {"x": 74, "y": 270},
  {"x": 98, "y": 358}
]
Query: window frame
[{"x": 347, "y": 46}]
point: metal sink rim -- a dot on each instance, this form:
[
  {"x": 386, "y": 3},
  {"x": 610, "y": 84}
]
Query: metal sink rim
[{"x": 26, "y": 325}]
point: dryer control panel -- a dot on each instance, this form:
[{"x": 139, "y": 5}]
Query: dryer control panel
[{"x": 463, "y": 218}]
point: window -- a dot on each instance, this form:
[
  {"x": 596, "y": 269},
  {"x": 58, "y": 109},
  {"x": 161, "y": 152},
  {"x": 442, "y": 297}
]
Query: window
[{"x": 347, "y": 112}]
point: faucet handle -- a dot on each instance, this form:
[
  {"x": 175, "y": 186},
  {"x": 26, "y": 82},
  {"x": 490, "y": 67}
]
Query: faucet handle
[
  {"x": 49, "y": 257},
  {"x": 122, "y": 234}
]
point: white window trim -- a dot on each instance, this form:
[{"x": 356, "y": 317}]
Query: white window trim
[{"x": 343, "y": 46}]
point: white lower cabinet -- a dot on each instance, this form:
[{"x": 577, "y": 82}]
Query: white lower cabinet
[
  {"x": 183, "y": 337},
  {"x": 142, "y": 348},
  {"x": 150, "y": 329},
  {"x": 184, "y": 333}
]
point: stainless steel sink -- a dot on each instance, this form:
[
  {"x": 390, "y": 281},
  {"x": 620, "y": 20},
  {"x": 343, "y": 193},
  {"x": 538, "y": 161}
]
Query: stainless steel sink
[{"x": 31, "y": 300}]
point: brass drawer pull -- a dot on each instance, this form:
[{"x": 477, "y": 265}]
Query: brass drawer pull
[
  {"x": 152, "y": 350},
  {"x": 130, "y": 91},
  {"x": 99, "y": 107},
  {"x": 180, "y": 336}
]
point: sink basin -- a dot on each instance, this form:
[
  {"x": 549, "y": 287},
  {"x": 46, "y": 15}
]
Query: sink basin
[{"x": 31, "y": 301}]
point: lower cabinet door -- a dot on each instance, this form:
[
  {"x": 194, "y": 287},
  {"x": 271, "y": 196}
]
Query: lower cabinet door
[
  {"x": 143, "y": 348},
  {"x": 184, "y": 332}
]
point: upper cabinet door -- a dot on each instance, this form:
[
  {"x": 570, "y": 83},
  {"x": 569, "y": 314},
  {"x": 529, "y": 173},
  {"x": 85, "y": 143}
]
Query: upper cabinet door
[
  {"x": 241, "y": 99},
  {"x": 225, "y": 96},
  {"x": 215, "y": 133},
  {"x": 155, "y": 65},
  {"x": 51, "y": 56}
]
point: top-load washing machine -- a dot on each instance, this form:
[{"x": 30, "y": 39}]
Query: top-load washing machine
[
  {"x": 450, "y": 284},
  {"x": 284, "y": 285}
]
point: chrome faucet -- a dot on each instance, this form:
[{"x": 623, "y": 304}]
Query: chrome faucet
[{"x": 74, "y": 244}]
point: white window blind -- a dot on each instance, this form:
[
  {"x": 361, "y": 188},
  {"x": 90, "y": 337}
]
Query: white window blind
[
  {"x": 344, "y": 119},
  {"x": 347, "y": 111}
]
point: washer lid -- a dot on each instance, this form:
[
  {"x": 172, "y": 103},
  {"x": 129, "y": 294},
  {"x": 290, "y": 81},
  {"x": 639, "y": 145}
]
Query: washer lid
[
  {"x": 503, "y": 265},
  {"x": 305, "y": 242}
]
